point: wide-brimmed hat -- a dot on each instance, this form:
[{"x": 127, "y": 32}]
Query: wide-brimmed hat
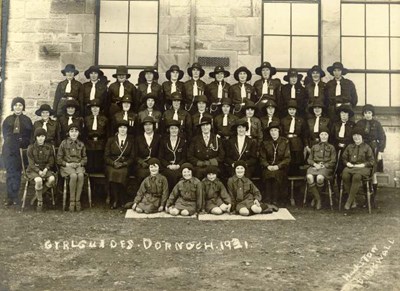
[
  {"x": 249, "y": 105},
  {"x": 292, "y": 73},
  {"x": 174, "y": 68},
  {"x": 122, "y": 70},
  {"x": 239, "y": 122},
  {"x": 149, "y": 96},
  {"x": 93, "y": 69},
  {"x": 219, "y": 69},
  {"x": 71, "y": 103},
  {"x": 148, "y": 119},
  {"x": 126, "y": 98},
  {"x": 240, "y": 163},
  {"x": 176, "y": 96},
  {"x": 121, "y": 122},
  {"x": 74, "y": 125},
  {"x": 316, "y": 103},
  {"x": 292, "y": 104},
  {"x": 44, "y": 107},
  {"x": 270, "y": 102},
  {"x": 242, "y": 69},
  {"x": 18, "y": 100},
  {"x": 200, "y": 98},
  {"x": 226, "y": 101},
  {"x": 205, "y": 120},
  {"x": 211, "y": 169},
  {"x": 273, "y": 124},
  {"x": 173, "y": 122},
  {"x": 94, "y": 102},
  {"x": 266, "y": 65},
  {"x": 39, "y": 131},
  {"x": 148, "y": 70},
  {"x": 324, "y": 129},
  {"x": 337, "y": 65},
  {"x": 154, "y": 161},
  {"x": 368, "y": 107},
  {"x": 358, "y": 130},
  {"x": 70, "y": 68},
  {"x": 316, "y": 68},
  {"x": 186, "y": 166},
  {"x": 345, "y": 108},
  {"x": 195, "y": 66}
]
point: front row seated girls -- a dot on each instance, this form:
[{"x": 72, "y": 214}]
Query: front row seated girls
[
  {"x": 359, "y": 161},
  {"x": 322, "y": 160},
  {"x": 72, "y": 159},
  {"x": 153, "y": 192},
  {"x": 187, "y": 196},
  {"x": 118, "y": 157},
  {"x": 41, "y": 162}
]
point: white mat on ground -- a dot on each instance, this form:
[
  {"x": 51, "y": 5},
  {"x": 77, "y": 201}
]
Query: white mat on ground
[
  {"x": 133, "y": 214},
  {"x": 282, "y": 214}
]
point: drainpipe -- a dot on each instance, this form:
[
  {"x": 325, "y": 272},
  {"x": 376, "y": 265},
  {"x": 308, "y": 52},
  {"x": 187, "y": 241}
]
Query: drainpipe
[{"x": 4, "y": 30}]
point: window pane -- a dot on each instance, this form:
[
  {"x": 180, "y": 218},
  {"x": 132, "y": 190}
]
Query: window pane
[
  {"x": 395, "y": 53},
  {"x": 280, "y": 75},
  {"x": 395, "y": 20},
  {"x": 359, "y": 82},
  {"x": 353, "y": 52},
  {"x": 276, "y": 18},
  {"x": 143, "y": 16},
  {"x": 353, "y": 19},
  {"x": 395, "y": 89},
  {"x": 305, "y": 19},
  {"x": 142, "y": 50},
  {"x": 304, "y": 52},
  {"x": 377, "y": 20},
  {"x": 277, "y": 48},
  {"x": 378, "y": 89},
  {"x": 114, "y": 16},
  {"x": 377, "y": 53},
  {"x": 112, "y": 49}
]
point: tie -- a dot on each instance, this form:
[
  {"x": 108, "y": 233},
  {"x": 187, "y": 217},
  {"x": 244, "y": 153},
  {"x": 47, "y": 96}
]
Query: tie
[
  {"x": 122, "y": 143},
  {"x": 175, "y": 117},
  {"x": 243, "y": 91},
  {"x": 16, "y": 125},
  {"x": 92, "y": 91},
  {"x": 148, "y": 88},
  {"x": 68, "y": 88},
  {"x": 206, "y": 139},
  {"x": 269, "y": 120},
  {"x": 121, "y": 89},
  {"x": 338, "y": 89},
  {"x": 219, "y": 90},
  {"x": 225, "y": 120},
  {"x": 342, "y": 129},
  {"x": 94, "y": 126},
  {"x": 195, "y": 89},
  {"x": 316, "y": 90},
  {"x": 150, "y": 113},
  {"x": 70, "y": 120},
  {"x": 316, "y": 125},
  {"x": 367, "y": 127},
  {"x": 249, "y": 123},
  {"x": 292, "y": 124},
  {"x": 265, "y": 87},
  {"x": 293, "y": 92},
  {"x": 173, "y": 87},
  {"x": 45, "y": 125},
  {"x": 201, "y": 116},
  {"x": 239, "y": 193},
  {"x": 125, "y": 116}
]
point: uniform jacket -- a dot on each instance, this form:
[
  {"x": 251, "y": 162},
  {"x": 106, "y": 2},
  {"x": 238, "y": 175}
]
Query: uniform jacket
[
  {"x": 187, "y": 194},
  {"x": 189, "y": 98},
  {"x": 14, "y": 141},
  {"x": 256, "y": 131},
  {"x": 321, "y": 93},
  {"x": 166, "y": 90},
  {"x": 195, "y": 121},
  {"x": 235, "y": 93},
  {"x": 183, "y": 117},
  {"x": 358, "y": 154},
  {"x": 153, "y": 189},
  {"x": 274, "y": 89},
  {"x": 71, "y": 151},
  {"x": 348, "y": 90},
  {"x": 374, "y": 135},
  {"x": 60, "y": 93},
  {"x": 248, "y": 153},
  {"x": 323, "y": 153},
  {"x": 199, "y": 152},
  {"x": 143, "y": 152},
  {"x": 342, "y": 142},
  {"x": 242, "y": 196},
  {"x": 265, "y": 124},
  {"x": 129, "y": 88},
  {"x": 301, "y": 98},
  {"x": 53, "y": 131},
  {"x": 214, "y": 193},
  {"x": 96, "y": 139},
  {"x": 275, "y": 153},
  {"x": 212, "y": 91},
  {"x": 300, "y": 129},
  {"x": 101, "y": 94},
  {"x": 224, "y": 131},
  {"x": 63, "y": 124},
  {"x": 156, "y": 89},
  {"x": 172, "y": 156},
  {"x": 132, "y": 120},
  {"x": 40, "y": 157},
  {"x": 155, "y": 114},
  {"x": 313, "y": 137},
  {"x": 113, "y": 152}
]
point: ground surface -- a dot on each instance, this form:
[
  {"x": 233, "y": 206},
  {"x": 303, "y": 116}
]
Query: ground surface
[{"x": 319, "y": 251}]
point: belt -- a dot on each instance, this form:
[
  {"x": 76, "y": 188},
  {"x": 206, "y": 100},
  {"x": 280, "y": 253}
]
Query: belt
[{"x": 291, "y": 135}]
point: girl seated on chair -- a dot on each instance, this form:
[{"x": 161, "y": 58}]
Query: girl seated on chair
[
  {"x": 71, "y": 157},
  {"x": 322, "y": 160},
  {"x": 217, "y": 199},
  {"x": 153, "y": 192},
  {"x": 245, "y": 195},
  {"x": 187, "y": 196},
  {"x": 41, "y": 161}
]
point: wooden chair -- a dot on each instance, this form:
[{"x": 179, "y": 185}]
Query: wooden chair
[
  {"x": 292, "y": 179},
  {"x": 89, "y": 191},
  {"x": 330, "y": 183}
]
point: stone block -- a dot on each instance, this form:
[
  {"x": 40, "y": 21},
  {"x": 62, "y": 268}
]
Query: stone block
[
  {"x": 215, "y": 20},
  {"x": 21, "y": 25},
  {"x": 82, "y": 60},
  {"x": 224, "y": 3},
  {"x": 229, "y": 45},
  {"x": 21, "y": 51},
  {"x": 68, "y": 37},
  {"x": 212, "y": 11},
  {"x": 179, "y": 3},
  {"x": 240, "y": 11},
  {"x": 183, "y": 61},
  {"x": 37, "y": 9},
  {"x": 178, "y": 44},
  {"x": 81, "y": 23},
  {"x": 48, "y": 75},
  {"x": 17, "y": 75},
  {"x": 76, "y": 47},
  {"x": 256, "y": 8},
  {"x": 52, "y": 25},
  {"x": 52, "y": 51},
  {"x": 88, "y": 43},
  {"x": 255, "y": 45},
  {"x": 179, "y": 11},
  {"x": 210, "y": 32},
  {"x": 163, "y": 44},
  {"x": 165, "y": 61},
  {"x": 41, "y": 65},
  {"x": 36, "y": 89},
  {"x": 68, "y": 7},
  {"x": 251, "y": 62},
  {"x": 171, "y": 25},
  {"x": 90, "y": 6},
  {"x": 17, "y": 9},
  {"x": 248, "y": 26}
]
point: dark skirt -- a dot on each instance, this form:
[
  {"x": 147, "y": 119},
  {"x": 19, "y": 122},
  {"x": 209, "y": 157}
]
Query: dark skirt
[
  {"x": 182, "y": 204},
  {"x": 279, "y": 175},
  {"x": 212, "y": 203},
  {"x": 150, "y": 203},
  {"x": 119, "y": 176},
  {"x": 32, "y": 174},
  {"x": 246, "y": 203},
  {"x": 327, "y": 173},
  {"x": 95, "y": 162}
]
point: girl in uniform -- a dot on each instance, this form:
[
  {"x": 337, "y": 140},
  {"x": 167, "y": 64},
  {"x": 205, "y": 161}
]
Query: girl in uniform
[
  {"x": 51, "y": 126},
  {"x": 241, "y": 91}
]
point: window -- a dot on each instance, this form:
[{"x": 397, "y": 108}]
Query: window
[
  {"x": 291, "y": 34},
  {"x": 370, "y": 48},
  {"x": 127, "y": 34}
]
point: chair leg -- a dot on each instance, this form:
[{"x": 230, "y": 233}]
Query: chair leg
[
  {"x": 107, "y": 185},
  {"x": 305, "y": 194},
  {"x": 24, "y": 196},
  {"x": 65, "y": 193},
  {"x": 89, "y": 192},
  {"x": 369, "y": 197},
  {"x": 330, "y": 194},
  {"x": 52, "y": 196},
  {"x": 292, "y": 202},
  {"x": 340, "y": 195}
]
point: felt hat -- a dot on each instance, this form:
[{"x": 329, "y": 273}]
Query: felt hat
[
  {"x": 205, "y": 120},
  {"x": 122, "y": 70},
  {"x": 149, "y": 96},
  {"x": 44, "y": 107},
  {"x": 94, "y": 102},
  {"x": 121, "y": 122},
  {"x": 292, "y": 104},
  {"x": 148, "y": 70},
  {"x": 266, "y": 65},
  {"x": 154, "y": 161},
  {"x": 270, "y": 102},
  {"x": 249, "y": 105},
  {"x": 337, "y": 65},
  {"x": 40, "y": 131},
  {"x": 187, "y": 166},
  {"x": 316, "y": 103},
  {"x": 176, "y": 96},
  {"x": 148, "y": 119},
  {"x": 358, "y": 129},
  {"x": 324, "y": 129},
  {"x": 126, "y": 98},
  {"x": 211, "y": 169},
  {"x": 292, "y": 73},
  {"x": 174, "y": 68},
  {"x": 315, "y": 68},
  {"x": 71, "y": 103},
  {"x": 18, "y": 100},
  {"x": 240, "y": 163},
  {"x": 219, "y": 69},
  {"x": 70, "y": 68},
  {"x": 74, "y": 125},
  {"x": 239, "y": 122},
  {"x": 226, "y": 101},
  {"x": 195, "y": 66},
  {"x": 272, "y": 125},
  {"x": 242, "y": 69},
  {"x": 200, "y": 98},
  {"x": 345, "y": 108},
  {"x": 93, "y": 69},
  {"x": 368, "y": 107},
  {"x": 173, "y": 122}
]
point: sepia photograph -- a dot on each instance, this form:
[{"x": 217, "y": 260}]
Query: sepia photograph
[{"x": 199, "y": 144}]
